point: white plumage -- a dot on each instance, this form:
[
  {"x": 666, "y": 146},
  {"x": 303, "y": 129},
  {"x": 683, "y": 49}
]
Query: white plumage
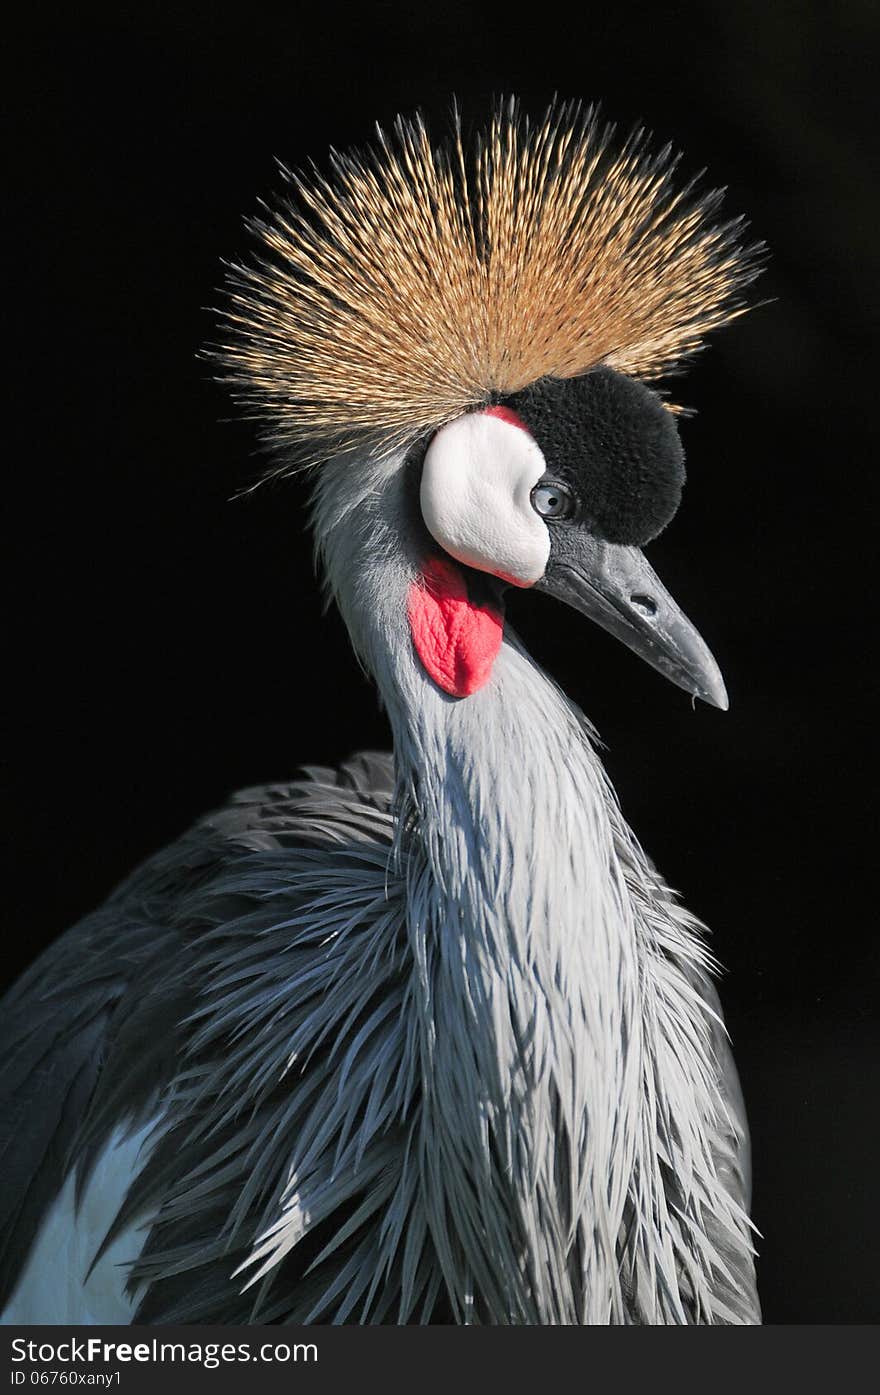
[{"x": 59, "y": 1282}]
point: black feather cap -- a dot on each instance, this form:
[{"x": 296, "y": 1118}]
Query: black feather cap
[{"x": 613, "y": 443}]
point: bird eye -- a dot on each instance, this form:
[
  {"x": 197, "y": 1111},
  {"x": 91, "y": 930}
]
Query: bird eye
[{"x": 552, "y": 501}]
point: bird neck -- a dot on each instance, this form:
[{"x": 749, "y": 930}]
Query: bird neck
[
  {"x": 541, "y": 944},
  {"x": 522, "y": 941},
  {"x": 525, "y": 981}
]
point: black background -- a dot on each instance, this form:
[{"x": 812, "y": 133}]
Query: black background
[{"x": 166, "y": 645}]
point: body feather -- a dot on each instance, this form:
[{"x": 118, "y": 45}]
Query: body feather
[{"x": 315, "y": 1143}]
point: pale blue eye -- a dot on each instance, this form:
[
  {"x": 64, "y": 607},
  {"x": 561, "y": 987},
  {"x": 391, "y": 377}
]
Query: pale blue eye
[{"x": 552, "y": 501}]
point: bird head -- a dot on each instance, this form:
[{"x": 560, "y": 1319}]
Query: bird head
[
  {"x": 556, "y": 488},
  {"x": 489, "y": 322}
]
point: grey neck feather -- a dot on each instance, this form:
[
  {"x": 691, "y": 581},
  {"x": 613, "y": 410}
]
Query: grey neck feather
[{"x": 542, "y": 990}]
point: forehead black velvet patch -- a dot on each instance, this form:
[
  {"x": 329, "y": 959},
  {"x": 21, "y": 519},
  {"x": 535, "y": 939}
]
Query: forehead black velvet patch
[{"x": 611, "y": 440}]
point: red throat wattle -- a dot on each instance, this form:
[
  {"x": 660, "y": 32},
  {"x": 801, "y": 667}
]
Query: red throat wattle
[{"x": 457, "y": 639}]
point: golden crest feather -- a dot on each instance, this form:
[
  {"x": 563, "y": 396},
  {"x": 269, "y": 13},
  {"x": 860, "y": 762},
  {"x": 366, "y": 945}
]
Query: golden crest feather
[{"x": 419, "y": 281}]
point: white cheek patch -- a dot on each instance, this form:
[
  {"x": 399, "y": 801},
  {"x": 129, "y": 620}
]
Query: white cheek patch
[{"x": 477, "y": 479}]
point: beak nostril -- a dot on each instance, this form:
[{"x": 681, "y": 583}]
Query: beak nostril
[{"x": 645, "y": 604}]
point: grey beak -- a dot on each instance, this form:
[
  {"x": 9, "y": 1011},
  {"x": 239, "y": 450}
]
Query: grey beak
[{"x": 616, "y": 587}]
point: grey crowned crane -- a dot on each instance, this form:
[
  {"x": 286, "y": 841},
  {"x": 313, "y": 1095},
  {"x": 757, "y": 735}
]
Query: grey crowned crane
[{"x": 425, "y": 1038}]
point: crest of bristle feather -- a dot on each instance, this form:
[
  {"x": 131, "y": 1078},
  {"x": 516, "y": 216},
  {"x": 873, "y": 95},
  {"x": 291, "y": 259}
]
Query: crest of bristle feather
[{"x": 417, "y": 281}]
